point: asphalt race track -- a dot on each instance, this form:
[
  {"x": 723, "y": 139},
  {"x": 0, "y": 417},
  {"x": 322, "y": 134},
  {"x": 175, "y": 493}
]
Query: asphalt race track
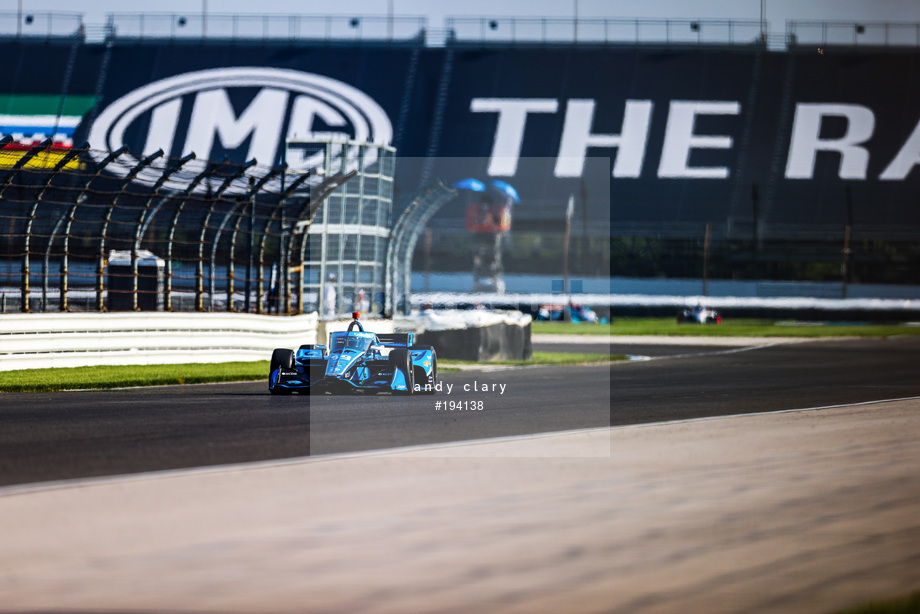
[
  {"x": 77, "y": 434},
  {"x": 772, "y": 511}
]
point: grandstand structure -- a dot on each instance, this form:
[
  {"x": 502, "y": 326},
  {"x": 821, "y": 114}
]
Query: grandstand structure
[{"x": 726, "y": 151}]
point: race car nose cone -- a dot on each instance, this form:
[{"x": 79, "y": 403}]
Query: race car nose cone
[{"x": 338, "y": 365}]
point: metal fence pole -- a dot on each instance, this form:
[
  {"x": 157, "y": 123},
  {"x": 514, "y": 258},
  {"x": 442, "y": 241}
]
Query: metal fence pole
[
  {"x": 261, "y": 260},
  {"x": 101, "y": 262},
  {"x": 170, "y": 241},
  {"x": 49, "y": 177},
  {"x": 71, "y": 214},
  {"x": 278, "y": 208},
  {"x": 199, "y": 289},
  {"x": 287, "y": 248},
  {"x": 141, "y": 225},
  {"x": 231, "y": 271},
  {"x": 14, "y": 172},
  {"x": 46, "y": 263},
  {"x": 403, "y": 238},
  {"x": 255, "y": 187}
]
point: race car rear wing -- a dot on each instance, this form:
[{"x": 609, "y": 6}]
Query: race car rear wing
[{"x": 396, "y": 340}]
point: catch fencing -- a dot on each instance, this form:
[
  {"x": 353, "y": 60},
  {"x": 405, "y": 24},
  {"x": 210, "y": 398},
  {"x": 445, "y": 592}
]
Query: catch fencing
[{"x": 95, "y": 231}]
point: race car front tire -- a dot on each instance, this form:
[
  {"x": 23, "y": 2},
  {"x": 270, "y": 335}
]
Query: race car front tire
[
  {"x": 399, "y": 359},
  {"x": 281, "y": 358},
  {"x": 423, "y": 387}
]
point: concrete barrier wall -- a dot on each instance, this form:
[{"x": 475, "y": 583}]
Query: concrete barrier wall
[
  {"x": 495, "y": 342},
  {"x": 76, "y": 339},
  {"x": 30, "y": 341},
  {"x": 477, "y": 335}
]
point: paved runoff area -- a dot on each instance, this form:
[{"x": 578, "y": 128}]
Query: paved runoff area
[{"x": 803, "y": 511}]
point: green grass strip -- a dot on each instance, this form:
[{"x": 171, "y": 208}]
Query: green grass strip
[
  {"x": 49, "y": 380},
  {"x": 79, "y": 378},
  {"x": 82, "y": 378},
  {"x": 728, "y": 328}
]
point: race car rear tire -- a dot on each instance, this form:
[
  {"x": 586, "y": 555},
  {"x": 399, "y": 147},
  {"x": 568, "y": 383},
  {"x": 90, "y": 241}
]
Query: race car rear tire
[
  {"x": 281, "y": 358},
  {"x": 399, "y": 359},
  {"x": 434, "y": 370}
]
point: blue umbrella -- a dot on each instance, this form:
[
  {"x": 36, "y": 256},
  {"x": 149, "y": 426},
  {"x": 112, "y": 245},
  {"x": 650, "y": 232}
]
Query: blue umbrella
[
  {"x": 471, "y": 184},
  {"x": 508, "y": 189}
]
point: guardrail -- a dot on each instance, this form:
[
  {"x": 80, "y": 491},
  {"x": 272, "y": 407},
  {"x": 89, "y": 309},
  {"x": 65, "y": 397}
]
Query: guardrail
[
  {"x": 28, "y": 24},
  {"x": 853, "y": 34},
  {"x": 194, "y": 25},
  {"x": 78, "y": 339},
  {"x": 604, "y": 31},
  {"x": 191, "y": 25}
]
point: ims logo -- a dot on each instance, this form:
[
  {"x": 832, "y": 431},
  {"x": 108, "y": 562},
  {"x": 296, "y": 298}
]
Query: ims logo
[{"x": 200, "y": 112}]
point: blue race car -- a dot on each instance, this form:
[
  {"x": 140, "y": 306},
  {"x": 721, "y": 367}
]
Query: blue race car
[{"x": 354, "y": 362}]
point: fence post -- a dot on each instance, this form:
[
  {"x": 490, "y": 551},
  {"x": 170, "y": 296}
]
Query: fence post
[
  {"x": 261, "y": 260},
  {"x": 64, "y": 272},
  {"x": 14, "y": 172},
  {"x": 143, "y": 221},
  {"x": 706, "y": 259},
  {"x": 287, "y": 242},
  {"x": 64, "y": 161},
  {"x": 255, "y": 187},
  {"x": 101, "y": 261},
  {"x": 71, "y": 214},
  {"x": 278, "y": 208},
  {"x": 208, "y": 169},
  {"x": 199, "y": 290},
  {"x": 231, "y": 270}
]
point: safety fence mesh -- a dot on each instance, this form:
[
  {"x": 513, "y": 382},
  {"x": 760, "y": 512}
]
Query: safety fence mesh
[{"x": 87, "y": 230}]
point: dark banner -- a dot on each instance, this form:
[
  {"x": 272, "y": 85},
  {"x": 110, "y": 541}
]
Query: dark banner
[{"x": 731, "y": 136}]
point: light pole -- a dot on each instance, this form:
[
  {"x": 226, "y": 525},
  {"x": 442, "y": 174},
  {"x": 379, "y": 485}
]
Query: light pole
[
  {"x": 390, "y": 19},
  {"x": 576, "y": 19},
  {"x": 569, "y": 211}
]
